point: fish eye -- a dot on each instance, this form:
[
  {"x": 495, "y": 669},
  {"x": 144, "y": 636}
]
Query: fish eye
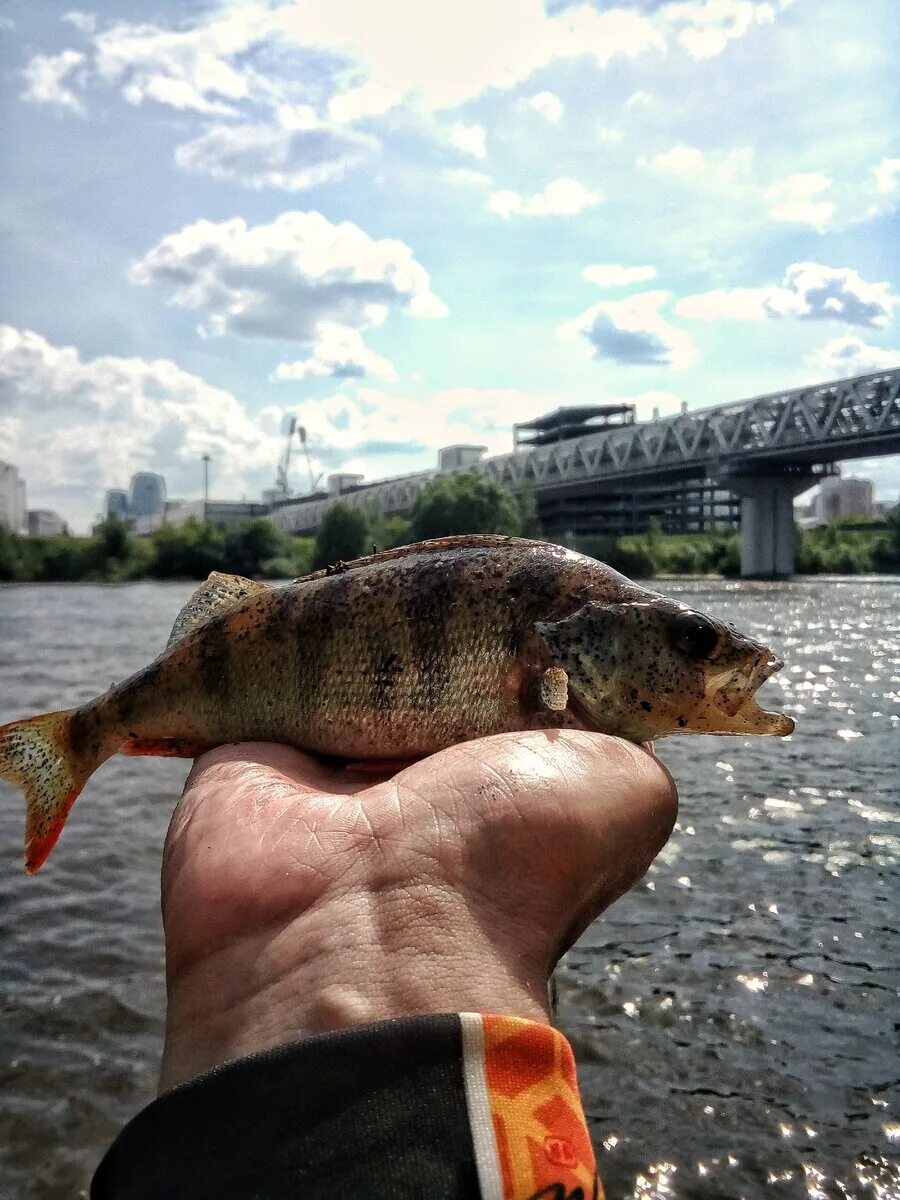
[{"x": 694, "y": 635}]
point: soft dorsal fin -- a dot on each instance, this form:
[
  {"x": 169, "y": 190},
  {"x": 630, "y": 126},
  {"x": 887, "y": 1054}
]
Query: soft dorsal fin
[
  {"x": 457, "y": 541},
  {"x": 217, "y": 594}
]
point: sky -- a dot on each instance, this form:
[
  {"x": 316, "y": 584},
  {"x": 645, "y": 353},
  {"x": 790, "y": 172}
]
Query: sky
[{"x": 414, "y": 222}]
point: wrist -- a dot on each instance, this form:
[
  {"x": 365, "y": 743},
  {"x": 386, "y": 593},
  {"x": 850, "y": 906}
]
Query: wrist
[{"x": 347, "y": 961}]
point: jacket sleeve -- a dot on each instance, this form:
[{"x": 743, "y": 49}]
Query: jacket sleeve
[{"x": 445, "y": 1107}]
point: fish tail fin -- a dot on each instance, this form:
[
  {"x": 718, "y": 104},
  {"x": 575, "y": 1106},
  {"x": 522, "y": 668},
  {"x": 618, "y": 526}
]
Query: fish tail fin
[{"x": 36, "y": 756}]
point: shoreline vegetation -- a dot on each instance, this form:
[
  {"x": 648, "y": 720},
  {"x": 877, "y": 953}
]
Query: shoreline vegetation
[{"x": 457, "y": 504}]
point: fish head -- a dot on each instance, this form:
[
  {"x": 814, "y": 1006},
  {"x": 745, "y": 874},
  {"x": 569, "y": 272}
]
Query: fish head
[{"x": 646, "y": 668}]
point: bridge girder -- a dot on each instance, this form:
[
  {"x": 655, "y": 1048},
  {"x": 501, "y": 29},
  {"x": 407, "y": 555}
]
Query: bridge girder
[{"x": 846, "y": 418}]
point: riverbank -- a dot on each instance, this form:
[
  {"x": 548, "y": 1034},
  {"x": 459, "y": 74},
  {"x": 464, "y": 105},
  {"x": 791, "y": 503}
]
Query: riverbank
[{"x": 259, "y": 550}]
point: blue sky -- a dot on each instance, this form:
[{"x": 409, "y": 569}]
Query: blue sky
[{"x": 413, "y": 223}]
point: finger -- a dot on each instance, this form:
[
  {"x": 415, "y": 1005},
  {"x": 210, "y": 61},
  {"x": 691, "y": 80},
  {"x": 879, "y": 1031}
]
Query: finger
[
  {"x": 583, "y": 811},
  {"x": 236, "y": 762}
]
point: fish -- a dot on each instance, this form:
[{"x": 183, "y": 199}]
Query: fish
[{"x": 395, "y": 656}]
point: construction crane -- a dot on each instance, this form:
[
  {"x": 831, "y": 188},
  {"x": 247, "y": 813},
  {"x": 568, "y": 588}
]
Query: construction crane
[{"x": 281, "y": 472}]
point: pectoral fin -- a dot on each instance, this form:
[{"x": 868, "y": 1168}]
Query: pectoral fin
[
  {"x": 218, "y": 594},
  {"x": 555, "y": 689}
]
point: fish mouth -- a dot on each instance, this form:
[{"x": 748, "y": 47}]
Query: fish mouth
[{"x": 733, "y": 697}]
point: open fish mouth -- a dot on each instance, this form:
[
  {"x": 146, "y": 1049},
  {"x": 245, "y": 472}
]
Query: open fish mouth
[{"x": 733, "y": 696}]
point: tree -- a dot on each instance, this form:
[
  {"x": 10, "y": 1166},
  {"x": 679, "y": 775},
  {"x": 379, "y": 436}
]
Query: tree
[
  {"x": 113, "y": 536},
  {"x": 467, "y": 503},
  {"x": 342, "y": 536},
  {"x": 189, "y": 551},
  {"x": 250, "y": 544}
]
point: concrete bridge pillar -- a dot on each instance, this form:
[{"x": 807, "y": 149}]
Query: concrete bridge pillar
[{"x": 767, "y": 521}]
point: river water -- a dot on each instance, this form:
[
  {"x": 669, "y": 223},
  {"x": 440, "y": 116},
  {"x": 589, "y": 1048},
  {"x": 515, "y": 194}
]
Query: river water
[{"x": 735, "y": 1018}]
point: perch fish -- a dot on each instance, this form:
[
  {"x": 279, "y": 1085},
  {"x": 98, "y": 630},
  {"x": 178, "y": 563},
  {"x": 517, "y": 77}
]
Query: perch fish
[{"x": 398, "y": 655}]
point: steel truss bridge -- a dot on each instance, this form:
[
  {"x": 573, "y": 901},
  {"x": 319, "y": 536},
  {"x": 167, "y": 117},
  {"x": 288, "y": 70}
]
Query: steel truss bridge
[{"x": 744, "y": 461}]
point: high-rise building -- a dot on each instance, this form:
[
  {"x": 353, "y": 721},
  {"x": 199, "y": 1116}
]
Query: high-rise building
[
  {"x": 13, "y": 513},
  {"x": 117, "y": 503},
  {"x": 148, "y": 494},
  {"x": 843, "y": 497}
]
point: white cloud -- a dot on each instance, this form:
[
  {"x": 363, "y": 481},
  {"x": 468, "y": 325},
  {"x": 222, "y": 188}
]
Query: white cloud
[
  {"x": 470, "y": 139},
  {"x": 680, "y": 160},
  {"x": 731, "y": 304},
  {"x": 794, "y": 200},
  {"x": 887, "y": 175},
  {"x": 707, "y": 26},
  {"x": 846, "y": 356},
  {"x": 104, "y": 418},
  {"x": 609, "y": 134},
  {"x": 192, "y": 68},
  {"x": 339, "y": 352},
  {"x": 280, "y": 280},
  {"x": 466, "y": 177},
  {"x": 613, "y": 275},
  {"x": 639, "y": 99},
  {"x": 45, "y": 79},
  {"x": 82, "y": 21},
  {"x": 809, "y": 291},
  {"x": 563, "y": 197},
  {"x": 302, "y": 155},
  {"x": 549, "y": 105},
  {"x": 415, "y": 50},
  {"x": 378, "y": 56},
  {"x": 370, "y": 428},
  {"x": 633, "y": 332}
]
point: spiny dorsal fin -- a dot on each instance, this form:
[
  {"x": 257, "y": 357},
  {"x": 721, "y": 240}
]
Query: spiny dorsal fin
[{"x": 219, "y": 593}]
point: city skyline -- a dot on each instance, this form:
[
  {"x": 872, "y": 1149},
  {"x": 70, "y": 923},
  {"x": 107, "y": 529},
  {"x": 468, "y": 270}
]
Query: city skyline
[{"x": 417, "y": 226}]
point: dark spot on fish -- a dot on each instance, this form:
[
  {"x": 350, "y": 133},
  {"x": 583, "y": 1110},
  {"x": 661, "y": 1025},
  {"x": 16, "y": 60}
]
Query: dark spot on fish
[
  {"x": 81, "y": 729},
  {"x": 646, "y": 706},
  {"x": 681, "y": 722},
  {"x": 213, "y": 649},
  {"x": 386, "y": 674}
]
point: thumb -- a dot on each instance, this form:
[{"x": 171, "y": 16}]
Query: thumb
[{"x": 554, "y": 824}]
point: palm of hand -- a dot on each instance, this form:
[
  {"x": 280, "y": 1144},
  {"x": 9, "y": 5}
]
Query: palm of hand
[{"x": 303, "y": 897}]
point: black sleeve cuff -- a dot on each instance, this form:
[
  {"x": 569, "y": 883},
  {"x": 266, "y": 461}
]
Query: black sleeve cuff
[{"x": 445, "y": 1107}]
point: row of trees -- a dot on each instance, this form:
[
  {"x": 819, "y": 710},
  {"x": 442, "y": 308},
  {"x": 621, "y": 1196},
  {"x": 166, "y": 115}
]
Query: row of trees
[{"x": 455, "y": 504}]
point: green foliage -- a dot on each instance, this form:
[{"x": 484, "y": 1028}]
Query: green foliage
[
  {"x": 342, "y": 536},
  {"x": 188, "y": 551},
  {"x": 529, "y": 525},
  {"x": 113, "y": 554},
  {"x": 467, "y": 503},
  {"x": 837, "y": 550},
  {"x": 390, "y": 532},
  {"x": 459, "y": 504},
  {"x": 112, "y": 540},
  {"x": 303, "y": 552}
]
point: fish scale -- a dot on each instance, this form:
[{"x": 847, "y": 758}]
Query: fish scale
[{"x": 399, "y": 655}]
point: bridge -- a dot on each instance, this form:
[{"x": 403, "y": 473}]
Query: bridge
[{"x": 751, "y": 456}]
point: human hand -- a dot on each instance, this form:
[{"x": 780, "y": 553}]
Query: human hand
[{"x": 299, "y": 898}]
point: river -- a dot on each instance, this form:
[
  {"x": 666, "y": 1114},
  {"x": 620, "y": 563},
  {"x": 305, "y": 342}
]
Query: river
[{"x": 734, "y": 1018}]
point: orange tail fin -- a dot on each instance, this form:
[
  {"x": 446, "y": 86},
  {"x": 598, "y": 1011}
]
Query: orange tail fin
[{"x": 35, "y": 755}]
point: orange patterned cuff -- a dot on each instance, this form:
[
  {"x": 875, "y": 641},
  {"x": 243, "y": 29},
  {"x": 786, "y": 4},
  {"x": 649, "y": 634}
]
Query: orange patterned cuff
[{"x": 528, "y": 1127}]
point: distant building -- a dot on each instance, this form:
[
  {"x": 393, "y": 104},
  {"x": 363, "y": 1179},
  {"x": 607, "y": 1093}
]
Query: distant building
[
  {"x": 572, "y": 422},
  {"x": 343, "y": 481},
  {"x": 456, "y": 458},
  {"x": 839, "y": 497},
  {"x": 148, "y": 495},
  {"x": 43, "y": 522},
  {"x": 216, "y": 512},
  {"x": 117, "y": 503},
  {"x": 13, "y": 513}
]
